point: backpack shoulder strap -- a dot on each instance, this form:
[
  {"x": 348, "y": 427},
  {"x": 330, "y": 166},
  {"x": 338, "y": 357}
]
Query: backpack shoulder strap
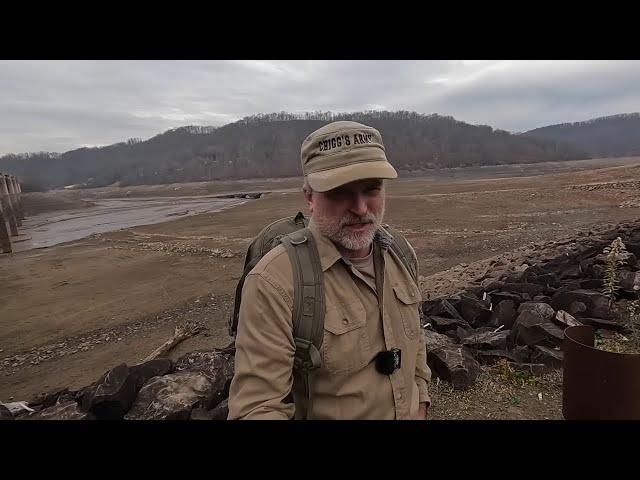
[
  {"x": 308, "y": 293},
  {"x": 401, "y": 248},
  {"x": 307, "y": 314}
]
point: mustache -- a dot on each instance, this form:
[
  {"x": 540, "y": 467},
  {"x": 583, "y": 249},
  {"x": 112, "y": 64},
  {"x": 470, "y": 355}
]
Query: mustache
[{"x": 353, "y": 220}]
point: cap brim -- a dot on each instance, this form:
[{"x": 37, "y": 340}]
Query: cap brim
[{"x": 326, "y": 180}]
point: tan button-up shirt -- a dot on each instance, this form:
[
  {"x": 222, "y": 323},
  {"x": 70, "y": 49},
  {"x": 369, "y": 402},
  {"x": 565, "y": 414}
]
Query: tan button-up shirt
[{"x": 357, "y": 326}]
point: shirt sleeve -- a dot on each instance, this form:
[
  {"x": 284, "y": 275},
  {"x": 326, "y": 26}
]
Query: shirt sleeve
[
  {"x": 264, "y": 353},
  {"x": 423, "y": 372}
]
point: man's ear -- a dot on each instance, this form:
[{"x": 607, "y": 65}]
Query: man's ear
[{"x": 308, "y": 196}]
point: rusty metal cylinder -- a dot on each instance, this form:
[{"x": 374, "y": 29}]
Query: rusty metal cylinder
[{"x": 598, "y": 385}]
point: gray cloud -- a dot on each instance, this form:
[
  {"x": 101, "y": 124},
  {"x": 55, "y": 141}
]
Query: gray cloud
[{"x": 61, "y": 105}]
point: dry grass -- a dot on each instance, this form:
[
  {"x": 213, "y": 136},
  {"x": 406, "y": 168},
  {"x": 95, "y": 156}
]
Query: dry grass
[{"x": 500, "y": 393}]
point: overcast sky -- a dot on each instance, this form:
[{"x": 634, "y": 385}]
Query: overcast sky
[{"x": 62, "y": 105}]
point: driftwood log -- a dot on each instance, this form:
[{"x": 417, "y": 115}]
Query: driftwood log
[{"x": 181, "y": 333}]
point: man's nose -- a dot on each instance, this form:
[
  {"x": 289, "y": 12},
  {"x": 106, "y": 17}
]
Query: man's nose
[{"x": 359, "y": 205}]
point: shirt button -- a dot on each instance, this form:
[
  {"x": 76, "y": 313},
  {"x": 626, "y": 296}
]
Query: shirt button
[
  {"x": 399, "y": 396},
  {"x": 345, "y": 321}
]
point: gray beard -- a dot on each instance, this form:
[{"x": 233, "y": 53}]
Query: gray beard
[{"x": 336, "y": 232}]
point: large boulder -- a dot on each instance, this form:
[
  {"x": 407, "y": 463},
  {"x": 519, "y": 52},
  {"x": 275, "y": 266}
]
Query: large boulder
[
  {"x": 596, "y": 304},
  {"x": 434, "y": 340},
  {"x": 475, "y": 312},
  {"x": 112, "y": 395},
  {"x": 217, "y": 365},
  {"x": 533, "y": 327},
  {"x": 504, "y": 314},
  {"x": 454, "y": 364},
  {"x": 172, "y": 397},
  {"x": 564, "y": 319}
]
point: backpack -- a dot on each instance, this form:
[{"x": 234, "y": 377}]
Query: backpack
[{"x": 308, "y": 302}]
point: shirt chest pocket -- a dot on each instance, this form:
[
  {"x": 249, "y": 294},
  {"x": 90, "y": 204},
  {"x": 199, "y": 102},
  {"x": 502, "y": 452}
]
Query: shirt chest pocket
[
  {"x": 408, "y": 302},
  {"x": 346, "y": 346}
]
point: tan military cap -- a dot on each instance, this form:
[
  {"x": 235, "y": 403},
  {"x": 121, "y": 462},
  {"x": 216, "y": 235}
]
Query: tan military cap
[{"x": 342, "y": 152}]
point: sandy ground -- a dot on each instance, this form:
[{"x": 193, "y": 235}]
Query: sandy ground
[{"x": 71, "y": 311}]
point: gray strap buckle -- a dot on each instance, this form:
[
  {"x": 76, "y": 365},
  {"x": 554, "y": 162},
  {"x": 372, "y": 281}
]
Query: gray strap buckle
[{"x": 307, "y": 356}]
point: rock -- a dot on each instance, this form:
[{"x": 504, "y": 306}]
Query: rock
[
  {"x": 441, "y": 307},
  {"x": 548, "y": 356},
  {"x": 153, "y": 368},
  {"x": 217, "y": 365},
  {"x": 499, "y": 297},
  {"x": 564, "y": 319},
  {"x": 597, "y": 271},
  {"x": 448, "y": 307},
  {"x": 533, "y": 327},
  {"x": 503, "y": 314},
  {"x": 629, "y": 281},
  {"x": 515, "y": 277},
  {"x": 112, "y": 395},
  {"x": 543, "y": 310},
  {"x": 602, "y": 323},
  {"x": 454, "y": 364},
  {"x": 221, "y": 412},
  {"x": 172, "y": 397},
  {"x": 443, "y": 324},
  {"x": 475, "y": 312},
  {"x": 5, "y": 413},
  {"x": 571, "y": 272},
  {"x": 541, "y": 299},
  {"x": 491, "y": 285},
  {"x": 590, "y": 284},
  {"x": 434, "y": 340},
  {"x": 597, "y": 304},
  {"x": 67, "y": 410},
  {"x": 487, "y": 340},
  {"x": 577, "y": 308},
  {"x": 547, "y": 280},
  {"x": 529, "y": 288},
  {"x": 572, "y": 284}
]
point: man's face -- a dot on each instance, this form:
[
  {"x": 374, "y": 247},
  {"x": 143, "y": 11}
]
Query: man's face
[{"x": 349, "y": 215}]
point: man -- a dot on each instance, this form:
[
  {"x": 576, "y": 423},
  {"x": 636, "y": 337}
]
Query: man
[{"x": 371, "y": 299}]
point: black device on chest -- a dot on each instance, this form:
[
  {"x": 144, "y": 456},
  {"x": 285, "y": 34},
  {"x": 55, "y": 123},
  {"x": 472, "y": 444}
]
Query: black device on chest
[{"x": 389, "y": 361}]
